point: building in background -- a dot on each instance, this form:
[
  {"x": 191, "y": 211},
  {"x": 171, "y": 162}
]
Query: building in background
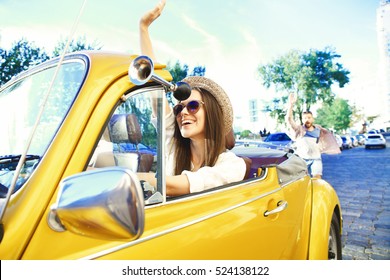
[
  {"x": 383, "y": 32},
  {"x": 250, "y": 118},
  {"x": 256, "y": 117}
]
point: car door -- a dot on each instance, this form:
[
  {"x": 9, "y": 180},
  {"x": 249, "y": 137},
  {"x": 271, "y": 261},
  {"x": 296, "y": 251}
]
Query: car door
[{"x": 227, "y": 223}]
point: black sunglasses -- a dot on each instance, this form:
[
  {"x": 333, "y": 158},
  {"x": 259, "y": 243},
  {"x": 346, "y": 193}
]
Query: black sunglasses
[{"x": 192, "y": 107}]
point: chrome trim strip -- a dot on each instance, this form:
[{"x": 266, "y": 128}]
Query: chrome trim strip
[
  {"x": 290, "y": 182},
  {"x": 167, "y": 231}
]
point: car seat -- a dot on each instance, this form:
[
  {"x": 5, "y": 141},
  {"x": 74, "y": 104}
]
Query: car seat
[
  {"x": 230, "y": 141},
  {"x": 125, "y": 129}
]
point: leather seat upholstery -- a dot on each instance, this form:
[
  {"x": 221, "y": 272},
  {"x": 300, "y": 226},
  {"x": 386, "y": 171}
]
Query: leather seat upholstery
[
  {"x": 230, "y": 141},
  {"x": 125, "y": 128}
]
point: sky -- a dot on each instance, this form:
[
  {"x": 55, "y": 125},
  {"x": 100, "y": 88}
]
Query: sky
[{"x": 231, "y": 38}]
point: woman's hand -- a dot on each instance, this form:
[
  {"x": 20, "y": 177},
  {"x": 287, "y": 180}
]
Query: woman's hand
[{"x": 147, "y": 19}]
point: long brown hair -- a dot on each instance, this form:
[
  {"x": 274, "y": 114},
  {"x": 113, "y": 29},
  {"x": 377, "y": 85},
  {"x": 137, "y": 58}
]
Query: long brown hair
[{"x": 214, "y": 136}]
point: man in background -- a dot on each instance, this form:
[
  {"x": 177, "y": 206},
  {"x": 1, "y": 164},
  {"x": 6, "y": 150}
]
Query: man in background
[{"x": 311, "y": 139}]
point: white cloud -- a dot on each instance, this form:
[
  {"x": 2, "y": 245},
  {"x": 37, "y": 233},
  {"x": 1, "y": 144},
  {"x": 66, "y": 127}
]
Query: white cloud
[{"x": 213, "y": 40}]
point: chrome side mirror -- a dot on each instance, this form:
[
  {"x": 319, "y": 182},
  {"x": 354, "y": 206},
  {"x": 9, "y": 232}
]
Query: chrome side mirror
[
  {"x": 141, "y": 71},
  {"x": 104, "y": 203}
]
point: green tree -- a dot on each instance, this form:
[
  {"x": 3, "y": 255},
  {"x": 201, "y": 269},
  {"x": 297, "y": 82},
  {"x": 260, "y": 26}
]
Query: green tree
[
  {"x": 19, "y": 58},
  {"x": 179, "y": 72},
  {"x": 310, "y": 75},
  {"x": 336, "y": 116},
  {"x": 357, "y": 115},
  {"x": 75, "y": 45},
  {"x": 372, "y": 118},
  {"x": 24, "y": 54},
  {"x": 198, "y": 71},
  {"x": 245, "y": 134}
]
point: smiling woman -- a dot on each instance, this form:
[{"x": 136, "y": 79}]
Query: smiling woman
[{"x": 196, "y": 131}]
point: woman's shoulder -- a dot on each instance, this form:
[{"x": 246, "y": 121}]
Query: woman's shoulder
[
  {"x": 229, "y": 155},
  {"x": 232, "y": 165}
]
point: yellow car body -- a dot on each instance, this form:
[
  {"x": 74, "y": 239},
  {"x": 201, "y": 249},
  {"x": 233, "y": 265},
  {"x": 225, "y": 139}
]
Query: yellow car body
[{"x": 228, "y": 222}]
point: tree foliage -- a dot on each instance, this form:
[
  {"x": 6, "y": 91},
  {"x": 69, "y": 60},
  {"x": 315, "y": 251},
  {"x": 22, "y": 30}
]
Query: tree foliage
[
  {"x": 198, "y": 71},
  {"x": 75, "y": 45},
  {"x": 372, "y": 118},
  {"x": 24, "y": 54},
  {"x": 336, "y": 116},
  {"x": 310, "y": 75},
  {"x": 179, "y": 72},
  {"x": 245, "y": 134},
  {"x": 19, "y": 58}
]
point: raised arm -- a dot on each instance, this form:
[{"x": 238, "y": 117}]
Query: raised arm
[
  {"x": 146, "y": 43},
  {"x": 292, "y": 98},
  {"x": 144, "y": 23},
  {"x": 294, "y": 128}
]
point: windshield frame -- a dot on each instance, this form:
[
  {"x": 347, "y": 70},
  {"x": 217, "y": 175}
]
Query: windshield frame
[{"x": 34, "y": 91}]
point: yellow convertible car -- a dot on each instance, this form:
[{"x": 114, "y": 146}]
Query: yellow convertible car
[{"x": 74, "y": 135}]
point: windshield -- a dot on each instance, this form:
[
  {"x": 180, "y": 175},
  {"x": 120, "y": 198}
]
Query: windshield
[{"x": 20, "y": 103}]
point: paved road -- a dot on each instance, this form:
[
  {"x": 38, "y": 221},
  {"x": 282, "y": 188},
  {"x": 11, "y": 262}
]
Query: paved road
[{"x": 362, "y": 180}]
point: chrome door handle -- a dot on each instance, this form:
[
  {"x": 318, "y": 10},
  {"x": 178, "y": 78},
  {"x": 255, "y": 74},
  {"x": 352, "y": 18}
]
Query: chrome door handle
[{"x": 281, "y": 206}]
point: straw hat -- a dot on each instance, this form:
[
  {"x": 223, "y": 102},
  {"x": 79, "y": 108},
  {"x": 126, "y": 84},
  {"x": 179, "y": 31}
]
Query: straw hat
[{"x": 218, "y": 93}]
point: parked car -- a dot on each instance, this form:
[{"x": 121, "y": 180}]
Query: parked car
[
  {"x": 339, "y": 141},
  {"x": 373, "y": 131},
  {"x": 375, "y": 140},
  {"x": 277, "y": 140},
  {"x": 61, "y": 208},
  {"x": 376, "y": 131},
  {"x": 347, "y": 142},
  {"x": 361, "y": 139},
  {"x": 354, "y": 140}
]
